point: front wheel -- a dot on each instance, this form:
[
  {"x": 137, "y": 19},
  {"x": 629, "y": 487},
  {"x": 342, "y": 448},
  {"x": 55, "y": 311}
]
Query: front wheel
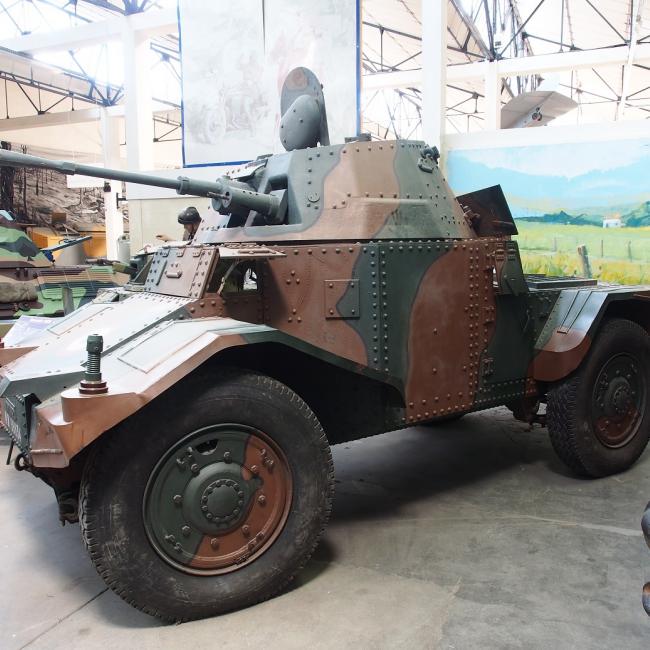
[
  {"x": 212, "y": 503},
  {"x": 599, "y": 418}
]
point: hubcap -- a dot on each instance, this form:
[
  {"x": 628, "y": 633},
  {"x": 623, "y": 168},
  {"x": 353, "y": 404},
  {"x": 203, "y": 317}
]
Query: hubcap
[
  {"x": 619, "y": 401},
  {"x": 218, "y": 499}
]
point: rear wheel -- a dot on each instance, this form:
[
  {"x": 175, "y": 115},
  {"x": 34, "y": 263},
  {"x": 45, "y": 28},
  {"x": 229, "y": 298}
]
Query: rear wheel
[
  {"x": 599, "y": 418},
  {"x": 214, "y": 503}
]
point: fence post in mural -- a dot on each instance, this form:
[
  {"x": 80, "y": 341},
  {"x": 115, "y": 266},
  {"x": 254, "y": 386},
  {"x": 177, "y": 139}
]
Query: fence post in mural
[
  {"x": 602, "y": 248},
  {"x": 629, "y": 249},
  {"x": 584, "y": 260},
  {"x": 555, "y": 244}
]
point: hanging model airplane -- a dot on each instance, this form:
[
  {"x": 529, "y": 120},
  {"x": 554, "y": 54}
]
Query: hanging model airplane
[{"x": 536, "y": 108}]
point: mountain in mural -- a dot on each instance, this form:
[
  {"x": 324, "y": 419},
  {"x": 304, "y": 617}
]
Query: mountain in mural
[
  {"x": 569, "y": 183},
  {"x": 564, "y": 218},
  {"x": 638, "y": 218}
]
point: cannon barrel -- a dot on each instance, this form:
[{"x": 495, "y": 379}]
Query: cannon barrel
[{"x": 224, "y": 192}]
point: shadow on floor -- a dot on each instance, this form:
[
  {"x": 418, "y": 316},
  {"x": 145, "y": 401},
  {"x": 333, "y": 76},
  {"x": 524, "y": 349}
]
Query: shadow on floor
[{"x": 374, "y": 479}]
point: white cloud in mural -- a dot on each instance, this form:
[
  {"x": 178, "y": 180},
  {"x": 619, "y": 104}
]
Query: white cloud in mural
[{"x": 563, "y": 160}]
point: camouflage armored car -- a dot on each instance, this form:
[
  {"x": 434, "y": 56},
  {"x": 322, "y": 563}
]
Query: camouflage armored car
[{"x": 332, "y": 292}]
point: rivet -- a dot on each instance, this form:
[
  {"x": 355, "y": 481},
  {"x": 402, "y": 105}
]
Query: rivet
[
  {"x": 214, "y": 542},
  {"x": 186, "y": 531},
  {"x": 261, "y": 499},
  {"x": 178, "y": 499},
  {"x": 227, "y": 457},
  {"x": 246, "y": 530}
]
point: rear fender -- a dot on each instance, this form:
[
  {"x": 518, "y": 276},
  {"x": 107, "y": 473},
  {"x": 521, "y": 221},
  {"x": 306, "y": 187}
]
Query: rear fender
[{"x": 574, "y": 322}]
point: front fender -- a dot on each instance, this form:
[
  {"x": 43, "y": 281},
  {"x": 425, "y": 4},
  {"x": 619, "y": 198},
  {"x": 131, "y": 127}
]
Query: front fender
[{"x": 139, "y": 372}]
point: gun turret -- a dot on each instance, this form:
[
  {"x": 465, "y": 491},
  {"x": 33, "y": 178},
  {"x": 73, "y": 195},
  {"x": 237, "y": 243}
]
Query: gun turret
[{"x": 227, "y": 195}]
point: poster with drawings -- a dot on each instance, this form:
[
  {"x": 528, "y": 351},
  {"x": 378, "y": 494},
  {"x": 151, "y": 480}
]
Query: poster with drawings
[{"x": 235, "y": 60}]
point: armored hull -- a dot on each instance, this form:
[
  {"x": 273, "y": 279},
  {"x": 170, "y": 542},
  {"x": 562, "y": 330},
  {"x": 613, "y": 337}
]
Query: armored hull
[{"x": 333, "y": 292}]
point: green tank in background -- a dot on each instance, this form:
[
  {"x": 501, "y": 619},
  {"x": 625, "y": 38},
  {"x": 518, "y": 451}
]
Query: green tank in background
[
  {"x": 32, "y": 284},
  {"x": 333, "y": 291}
]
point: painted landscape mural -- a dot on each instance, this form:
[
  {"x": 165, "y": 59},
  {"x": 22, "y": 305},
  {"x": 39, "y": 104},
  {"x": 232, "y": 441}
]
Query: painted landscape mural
[{"x": 580, "y": 208}]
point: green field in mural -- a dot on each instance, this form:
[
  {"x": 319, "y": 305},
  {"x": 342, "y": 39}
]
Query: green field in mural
[{"x": 613, "y": 254}]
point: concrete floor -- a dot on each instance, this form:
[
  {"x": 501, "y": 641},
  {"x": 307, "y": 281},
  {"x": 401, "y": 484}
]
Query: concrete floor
[{"x": 470, "y": 536}]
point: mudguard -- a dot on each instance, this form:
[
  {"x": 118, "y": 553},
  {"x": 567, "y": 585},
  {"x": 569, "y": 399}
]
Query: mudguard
[
  {"x": 141, "y": 361},
  {"x": 572, "y": 325}
]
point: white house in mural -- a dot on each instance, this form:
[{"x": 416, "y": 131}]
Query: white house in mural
[{"x": 612, "y": 222}]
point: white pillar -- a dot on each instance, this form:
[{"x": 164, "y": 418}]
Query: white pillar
[
  {"x": 434, "y": 71},
  {"x": 138, "y": 100},
  {"x": 113, "y": 217},
  {"x": 492, "y": 97}
]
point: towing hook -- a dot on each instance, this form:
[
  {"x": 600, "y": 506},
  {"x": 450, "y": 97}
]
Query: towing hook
[{"x": 21, "y": 463}]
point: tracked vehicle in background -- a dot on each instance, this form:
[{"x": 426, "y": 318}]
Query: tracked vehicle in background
[
  {"x": 332, "y": 292},
  {"x": 32, "y": 284}
]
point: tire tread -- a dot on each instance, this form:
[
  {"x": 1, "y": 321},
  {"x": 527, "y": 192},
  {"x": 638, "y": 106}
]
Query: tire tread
[{"x": 97, "y": 469}]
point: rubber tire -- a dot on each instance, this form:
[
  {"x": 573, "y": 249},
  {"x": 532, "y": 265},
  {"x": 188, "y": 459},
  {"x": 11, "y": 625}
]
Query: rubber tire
[
  {"x": 569, "y": 401},
  {"x": 117, "y": 471}
]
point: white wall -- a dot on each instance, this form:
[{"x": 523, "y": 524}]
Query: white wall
[
  {"x": 545, "y": 135},
  {"x": 151, "y": 217}
]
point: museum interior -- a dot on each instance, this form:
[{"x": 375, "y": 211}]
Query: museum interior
[{"x": 325, "y": 324}]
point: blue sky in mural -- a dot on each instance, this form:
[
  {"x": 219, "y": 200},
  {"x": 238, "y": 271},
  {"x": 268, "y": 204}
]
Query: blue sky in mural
[{"x": 594, "y": 178}]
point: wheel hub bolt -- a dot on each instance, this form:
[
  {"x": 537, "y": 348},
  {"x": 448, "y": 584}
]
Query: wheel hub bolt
[
  {"x": 194, "y": 469},
  {"x": 186, "y": 531},
  {"x": 246, "y": 529},
  {"x": 178, "y": 499},
  {"x": 227, "y": 457},
  {"x": 261, "y": 499},
  {"x": 260, "y": 537},
  {"x": 214, "y": 542},
  {"x": 255, "y": 470}
]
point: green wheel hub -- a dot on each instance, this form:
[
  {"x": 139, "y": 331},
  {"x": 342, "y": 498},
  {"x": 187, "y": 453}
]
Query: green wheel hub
[
  {"x": 619, "y": 401},
  {"x": 217, "y": 499}
]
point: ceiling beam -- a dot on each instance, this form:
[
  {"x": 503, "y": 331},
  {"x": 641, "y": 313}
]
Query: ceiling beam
[
  {"x": 471, "y": 28},
  {"x": 152, "y": 23},
  {"x": 57, "y": 119},
  {"x": 525, "y": 65}
]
